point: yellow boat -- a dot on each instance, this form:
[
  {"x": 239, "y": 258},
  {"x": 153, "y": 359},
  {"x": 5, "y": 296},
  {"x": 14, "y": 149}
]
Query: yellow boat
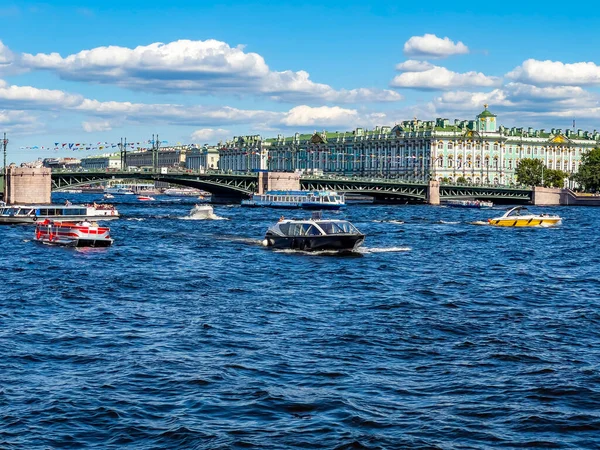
[{"x": 514, "y": 217}]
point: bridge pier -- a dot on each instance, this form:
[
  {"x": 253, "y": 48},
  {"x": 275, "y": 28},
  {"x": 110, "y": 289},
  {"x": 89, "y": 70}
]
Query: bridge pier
[
  {"x": 433, "y": 193},
  {"x": 226, "y": 199}
]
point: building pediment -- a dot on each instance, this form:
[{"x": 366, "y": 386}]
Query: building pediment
[
  {"x": 397, "y": 130},
  {"x": 317, "y": 139},
  {"x": 559, "y": 139}
]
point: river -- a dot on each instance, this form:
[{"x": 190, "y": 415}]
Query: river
[{"x": 191, "y": 334}]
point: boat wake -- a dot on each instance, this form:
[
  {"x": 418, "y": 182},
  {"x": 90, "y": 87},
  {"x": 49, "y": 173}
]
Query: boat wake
[
  {"x": 479, "y": 222},
  {"x": 445, "y": 222},
  {"x": 384, "y": 249},
  {"x": 397, "y": 222},
  {"x": 319, "y": 252},
  {"x": 204, "y": 217},
  {"x": 137, "y": 219}
]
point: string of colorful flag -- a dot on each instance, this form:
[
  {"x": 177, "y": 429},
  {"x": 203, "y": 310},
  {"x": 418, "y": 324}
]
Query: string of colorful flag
[{"x": 82, "y": 146}]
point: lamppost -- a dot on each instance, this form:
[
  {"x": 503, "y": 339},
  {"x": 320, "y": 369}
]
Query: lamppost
[{"x": 4, "y": 144}]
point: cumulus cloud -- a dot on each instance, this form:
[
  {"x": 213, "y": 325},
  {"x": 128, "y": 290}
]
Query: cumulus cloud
[
  {"x": 324, "y": 115},
  {"x": 28, "y": 97},
  {"x": 427, "y": 76},
  {"x": 18, "y": 122},
  {"x": 209, "y": 135},
  {"x": 414, "y": 66},
  {"x": 431, "y": 46},
  {"x": 95, "y": 126},
  {"x": 537, "y": 72},
  {"x": 205, "y": 67},
  {"x": 516, "y": 101}
]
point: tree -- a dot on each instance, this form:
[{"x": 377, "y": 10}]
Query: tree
[
  {"x": 461, "y": 180},
  {"x": 554, "y": 178},
  {"x": 588, "y": 175},
  {"x": 529, "y": 172}
]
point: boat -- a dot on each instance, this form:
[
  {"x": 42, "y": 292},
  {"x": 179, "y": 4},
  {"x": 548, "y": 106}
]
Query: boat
[
  {"x": 182, "y": 192},
  {"x": 145, "y": 198},
  {"x": 202, "y": 212},
  {"x": 519, "y": 217},
  {"x": 297, "y": 199},
  {"x": 118, "y": 191},
  {"x": 108, "y": 196},
  {"x": 469, "y": 204},
  {"x": 32, "y": 213},
  {"x": 314, "y": 234},
  {"x": 72, "y": 234}
]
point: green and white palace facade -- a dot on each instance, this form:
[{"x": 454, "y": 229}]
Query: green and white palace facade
[{"x": 478, "y": 151}]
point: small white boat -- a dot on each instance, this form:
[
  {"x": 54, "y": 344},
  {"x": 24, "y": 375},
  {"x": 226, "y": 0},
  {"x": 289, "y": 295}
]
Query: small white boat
[
  {"x": 145, "y": 198},
  {"x": 202, "y": 212},
  {"x": 71, "y": 234},
  {"x": 108, "y": 196},
  {"x": 514, "y": 217},
  {"x": 469, "y": 204}
]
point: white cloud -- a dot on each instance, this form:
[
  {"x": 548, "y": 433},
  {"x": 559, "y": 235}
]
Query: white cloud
[
  {"x": 303, "y": 115},
  {"x": 26, "y": 97},
  {"x": 95, "y": 126},
  {"x": 205, "y": 67},
  {"x": 209, "y": 135},
  {"x": 537, "y": 72},
  {"x": 414, "y": 66},
  {"x": 429, "y": 77},
  {"x": 431, "y": 46}
]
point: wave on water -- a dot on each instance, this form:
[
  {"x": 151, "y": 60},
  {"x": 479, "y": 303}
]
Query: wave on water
[
  {"x": 397, "y": 222},
  {"x": 479, "y": 222},
  {"x": 447, "y": 222},
  {"x": 137, "y": 219},
  {"x": 384, "y": 249}
]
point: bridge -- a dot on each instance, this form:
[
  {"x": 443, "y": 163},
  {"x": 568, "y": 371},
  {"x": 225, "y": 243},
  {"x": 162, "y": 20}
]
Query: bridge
[{"x": 235, "y": 186}]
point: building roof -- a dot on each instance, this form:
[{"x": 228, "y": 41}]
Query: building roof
[{"x": 486, "y": 113}]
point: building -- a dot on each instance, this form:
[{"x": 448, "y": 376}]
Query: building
[
  {"x": 61, "y": 163},
  {"x": 476, "y": 151},
  {"x": 202, "y": 158},
  {"x": 102, "y": 162},
  {"x": 167, "y": 157}
]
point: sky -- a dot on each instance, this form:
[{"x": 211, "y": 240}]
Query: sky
[{"x": 202, "y": 72}]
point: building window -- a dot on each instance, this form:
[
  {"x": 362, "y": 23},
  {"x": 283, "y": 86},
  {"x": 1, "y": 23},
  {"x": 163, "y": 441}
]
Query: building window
[
  {"x": 495, "y": 147},
  {"x": 450, "y": 162},
  {"x": 450, "y": 146}
]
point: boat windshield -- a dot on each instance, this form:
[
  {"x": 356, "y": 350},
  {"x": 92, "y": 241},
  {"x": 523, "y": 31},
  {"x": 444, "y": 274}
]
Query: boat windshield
[
  {"x": 299, "y": 229},
  {"x": 515, "y": 212},
  {"x": 338, "y": 227}
]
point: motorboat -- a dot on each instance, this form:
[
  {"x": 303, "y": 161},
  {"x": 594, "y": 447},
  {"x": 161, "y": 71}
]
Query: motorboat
[
  {"x": 297, "y": 199},
  {"x": 469, "y": 204},
  {"x": 145, "y": 198},
  {"x": 118, "y": 190},
  {"x": 108, "y": 196},
  {"x": 202, "y": 212},
  {"x": 33, "y": 213},
  {"x": 182, "y": 192},
  {"x": 520, "y": 217},
  {"x": 72, "y": 234},
  {"x": 314, "y": 234}
]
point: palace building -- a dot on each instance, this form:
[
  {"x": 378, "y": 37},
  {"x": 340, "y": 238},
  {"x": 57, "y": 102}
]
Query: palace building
[{"x": 476, "y": 151}]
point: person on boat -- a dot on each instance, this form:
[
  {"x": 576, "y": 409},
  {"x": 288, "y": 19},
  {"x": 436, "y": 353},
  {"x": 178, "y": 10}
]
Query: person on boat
[
  {"x": 85, "y": 223},
  {"x": 68, "y": 203},
  {"x": 281, "y": 219}
]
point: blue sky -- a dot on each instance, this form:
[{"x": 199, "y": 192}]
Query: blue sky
[{"x": 196, "y": 72}]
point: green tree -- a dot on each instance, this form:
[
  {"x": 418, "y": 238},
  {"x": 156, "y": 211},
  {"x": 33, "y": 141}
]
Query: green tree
[
  {"x": 554, "y": 178},
  {"x": 461, "y": 180},
  {"x": 588, "y": 175},
  {"x": 529, "y": 172}
]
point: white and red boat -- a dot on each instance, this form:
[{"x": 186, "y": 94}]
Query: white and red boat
[
  {"x": 145, "y": 198},
  {"x": 72, "y": 234}
]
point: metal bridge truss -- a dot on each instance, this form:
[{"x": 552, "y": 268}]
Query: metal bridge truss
[
  {"x": 485, "y": 192},
  {"x": 379, "y": 188},
  {"x": 240, "y": 184}
]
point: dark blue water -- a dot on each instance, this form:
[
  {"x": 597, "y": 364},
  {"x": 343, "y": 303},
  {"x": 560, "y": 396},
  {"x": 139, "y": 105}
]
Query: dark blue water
[{"x": 190, "y": 334}]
